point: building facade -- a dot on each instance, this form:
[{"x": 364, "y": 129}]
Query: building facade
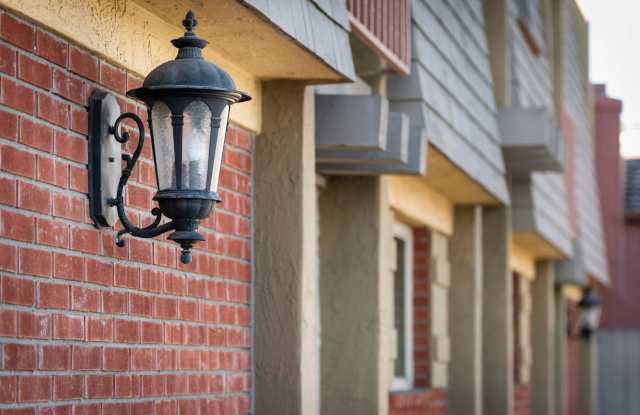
[{"x": 409, "y": 213}]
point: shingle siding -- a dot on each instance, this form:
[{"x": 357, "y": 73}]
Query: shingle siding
[
  {"x": 532, "y": 87},
  {"x": 450, "y": 91},
  {"x": 577, "y": 103},
  {"x": 322, "y": 26}
]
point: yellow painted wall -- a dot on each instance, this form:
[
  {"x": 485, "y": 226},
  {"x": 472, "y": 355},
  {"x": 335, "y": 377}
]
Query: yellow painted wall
[
  {"x": 523, "y": 261},
  {"x": 418, "y": 204},
  {"x": 130, "y": 36}
]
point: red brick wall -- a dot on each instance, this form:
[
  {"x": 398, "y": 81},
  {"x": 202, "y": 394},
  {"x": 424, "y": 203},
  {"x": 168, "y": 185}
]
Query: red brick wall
[
  {"x": 573, "y": 359},
  {"x": 421, "y": 400},
  {"x": 86, "y": 327}
]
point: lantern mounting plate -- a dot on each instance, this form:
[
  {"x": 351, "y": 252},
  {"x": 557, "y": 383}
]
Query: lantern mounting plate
[{"x": 105, "y": 154}]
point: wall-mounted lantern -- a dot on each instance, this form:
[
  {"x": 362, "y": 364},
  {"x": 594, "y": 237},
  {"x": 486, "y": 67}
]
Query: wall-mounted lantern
[
  {"x": 188, "y": 101},
  {"x": 590, "y": 310}
]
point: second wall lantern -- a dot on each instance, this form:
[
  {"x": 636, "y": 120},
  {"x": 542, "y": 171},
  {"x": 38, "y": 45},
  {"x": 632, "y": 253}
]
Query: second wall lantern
[{"x": 188, "y": 101}]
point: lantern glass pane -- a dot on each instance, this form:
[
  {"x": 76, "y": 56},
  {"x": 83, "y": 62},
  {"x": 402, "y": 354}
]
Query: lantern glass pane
[
  {"x": 219, "y": 143},
  {"x": 196, "y": 135},
  {"x": 163, "y": 146}
]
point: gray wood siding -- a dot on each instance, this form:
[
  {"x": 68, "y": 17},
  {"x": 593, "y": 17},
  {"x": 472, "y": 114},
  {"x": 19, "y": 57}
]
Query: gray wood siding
[
  {"x": 322, "y": 26},
  {"x": 590, "y": 235},
  {"x": 619, "y": 372},
  {"x": 450, "y": 91},
  {"x": 532, "y": 87}
]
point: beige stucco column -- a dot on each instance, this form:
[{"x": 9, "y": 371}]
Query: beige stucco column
[
  {"x": 560, "y": 346},
  {"x": 286, "y": 288},
  {"x": 542, "y": 336},
  {"x": 356, "y": 287},
  {"x": 497, "y": 314},
  {"x": 588, "y": 376},
  {"x": 465, "y": 308}
]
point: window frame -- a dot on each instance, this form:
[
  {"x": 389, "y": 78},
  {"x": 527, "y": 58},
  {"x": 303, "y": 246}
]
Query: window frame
[{"x": 405, "y": 233}]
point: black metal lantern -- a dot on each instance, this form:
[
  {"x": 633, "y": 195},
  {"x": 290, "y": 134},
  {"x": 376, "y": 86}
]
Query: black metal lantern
[
  {"x": 188, "y": 101},
  {"x": 591, "y": 308}
]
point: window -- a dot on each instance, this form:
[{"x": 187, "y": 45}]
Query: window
[{"x": 403, "y": 307}]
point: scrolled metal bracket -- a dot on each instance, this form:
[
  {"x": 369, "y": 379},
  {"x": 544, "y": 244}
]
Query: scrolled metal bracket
[{"x": 106, "y": 191}]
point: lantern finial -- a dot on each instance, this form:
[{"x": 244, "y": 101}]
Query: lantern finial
[
  {"x": 190, "y": 22},
  {"x": 189, "y": 45}
]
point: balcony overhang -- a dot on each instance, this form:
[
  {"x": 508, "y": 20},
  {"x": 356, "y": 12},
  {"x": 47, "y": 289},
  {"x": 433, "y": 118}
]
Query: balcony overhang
[
  {"x": 531, "y": 140},
  {"x": 357, "y": 135}
]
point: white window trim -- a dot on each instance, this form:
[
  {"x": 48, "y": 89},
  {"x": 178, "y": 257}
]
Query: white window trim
[{"x": 404, "y": 232}]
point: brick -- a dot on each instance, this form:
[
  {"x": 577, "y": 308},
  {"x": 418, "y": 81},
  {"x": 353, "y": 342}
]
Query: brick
[
  {"x": 18, "y": 291},
  {"x": 35, "y": 134},
  {"x": 195, "y": 335},
  {"x": 215, "y": 336},
  {"x": 51, "y": 48},
  {"x": 17, "y": 96},
  {"x": 85, "y": 299},
  {"x": 153, "y": 385},
  {"x": 68, "y": 207},
  {"x": 55, "y": 357},
  {"x": 79, "y": 120},
  {"x": 188, "y": 310},
  {"x": 124, "y": 385},
  {"x": 127, "y": 276},
  {"x": 114, "y": 302},
  {"x": 141, "y": 305},
  {"x": 151, "y": 332},
  {"x": 8, "y": 122},
  {"x": 79, "y": 179},
  {"x": 86, "y": 358},
  {"x": 188, "y": 359},
  {"x": 52, "y": 233},
  {"x": 19, "y": 411},
  {"x": 35, "y": 262},
  {"x": 116, "y": 408},
  {"x": 71, "y": 147},
  {"x": 8, "y": 323},
  {"x": 166, "y": 308},
  {"x": 216, "y": 384},
  {"x": 7, "y": 60},
  {"x": 116, "y": 359},
  {"x": 19, "y": 356},
  {"x": 56, "y": 410},
  {"x": 127, "y": 331},
  {"x": 8, "y": 257},
  {"x": 85, "y": 240},
  {"x": 151, "y": 280},
  {"x": 68, "y": 327},
  {"x": 164, "y": 255},
  {"x": 177, "y": 384},
  {"x": 8, "y": 191},
  {"x": 99, "y": 272},
  {"x": 141, "y": 250},
  {"x": 68, "y": 87},
  {"x": 99, "y": 386},
  {"x": 35, "y": 72},
  {"x": 9, "y": 389},
  {"x": 18, "y": 32},
  {"x": 175, "y": 283},
  {"x": 174, "y": 333},
  {"x": 68, "y": 267},
  {"x": 55, "y": 172},
  {"x": 167, "y": 359},
  {"x": 53, "y": 110},
  {"x": 34, "y": 198},
  {"x": 113, "y": 78},
  {"x": 83, "y": 63},
  {"x": 68, "y": 387},
  {"x": 143, "y": 359},
  {"x": 99, "y": 329},
  {"x": 92, "y": 409},
  {"x": 53, "y": 296},
  {"x": 34, "y": 326},
  {"x": 18, "y": 161},
  {"x": 34, "y": 388},
  {"x": 139, "y": 197}
]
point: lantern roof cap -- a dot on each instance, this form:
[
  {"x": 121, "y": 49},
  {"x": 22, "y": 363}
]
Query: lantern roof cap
[{"x": 189, "y": 71}]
